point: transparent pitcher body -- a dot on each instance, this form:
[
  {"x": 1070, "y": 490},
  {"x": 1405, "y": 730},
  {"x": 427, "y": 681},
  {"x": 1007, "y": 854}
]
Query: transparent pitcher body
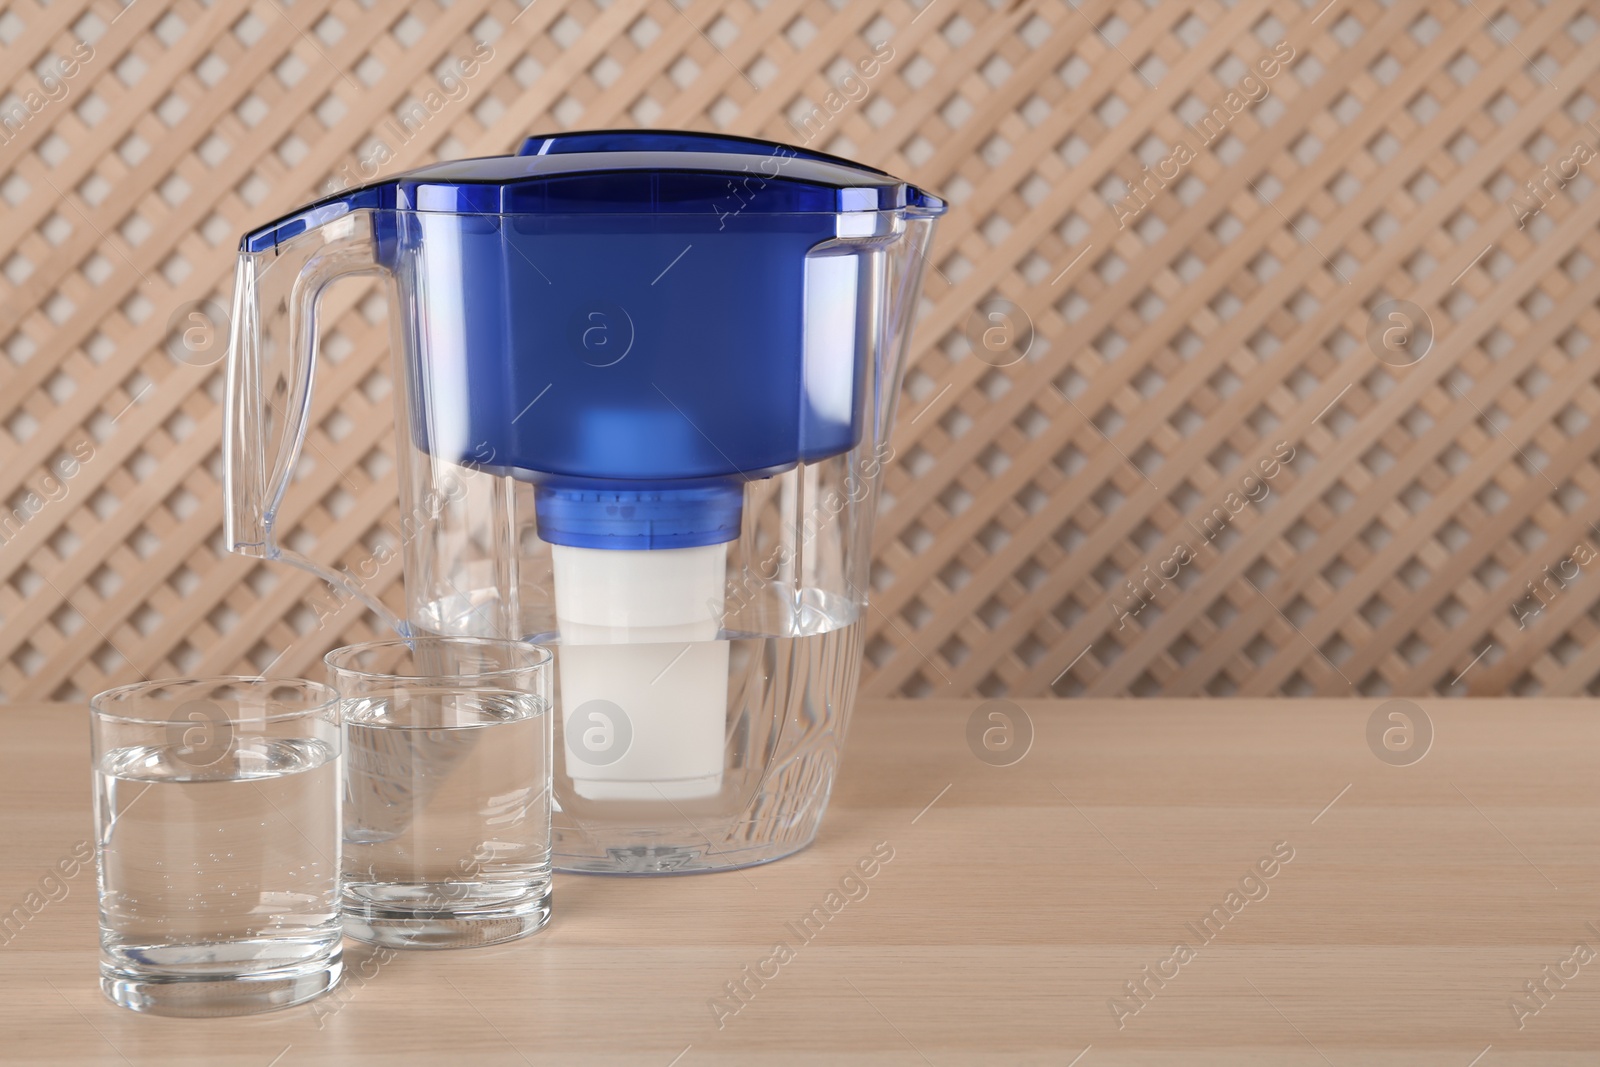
[{"x": 651, "y": 441}]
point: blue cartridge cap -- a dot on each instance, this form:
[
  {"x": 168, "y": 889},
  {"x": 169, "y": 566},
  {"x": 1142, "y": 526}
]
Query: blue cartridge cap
[{"x": 663, "y": 516}]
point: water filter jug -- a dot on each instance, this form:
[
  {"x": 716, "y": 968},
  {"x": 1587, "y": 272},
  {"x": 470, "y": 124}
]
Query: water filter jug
[{"x": 643, "y": 386}]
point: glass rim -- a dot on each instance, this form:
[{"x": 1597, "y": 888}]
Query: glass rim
[
  {"x": 339, "y": 661},
  {"x": 322, "y": 696}
]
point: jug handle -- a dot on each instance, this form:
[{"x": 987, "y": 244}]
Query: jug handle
[{"x": 277, "y": 293}]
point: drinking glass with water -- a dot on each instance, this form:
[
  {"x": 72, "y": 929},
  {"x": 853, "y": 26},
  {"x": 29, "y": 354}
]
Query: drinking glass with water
[
  {"x": 217, "y": 834},
  {"x": 446, "y": 790}
]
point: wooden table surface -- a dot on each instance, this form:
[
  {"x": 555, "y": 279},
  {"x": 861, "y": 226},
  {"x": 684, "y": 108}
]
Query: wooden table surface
[{"x": 1020, "y": 900}]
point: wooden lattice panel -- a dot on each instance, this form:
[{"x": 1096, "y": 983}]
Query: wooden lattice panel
[{"x": 1187, "y": 341}]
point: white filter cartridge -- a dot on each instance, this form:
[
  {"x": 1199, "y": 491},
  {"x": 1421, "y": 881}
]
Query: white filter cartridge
[{"x": 644, "y": 680}]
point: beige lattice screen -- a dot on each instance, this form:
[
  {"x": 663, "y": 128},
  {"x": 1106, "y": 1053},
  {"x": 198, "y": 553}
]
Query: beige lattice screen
[{"x": 1168, "y": 350}]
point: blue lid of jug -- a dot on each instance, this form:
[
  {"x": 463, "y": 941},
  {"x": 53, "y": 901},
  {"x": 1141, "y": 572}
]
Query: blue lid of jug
[{"x": 656, "y": 172}]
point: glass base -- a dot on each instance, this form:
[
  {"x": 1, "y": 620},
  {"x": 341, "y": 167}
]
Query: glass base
[
  {"x": 209, "y": 996},
  {"x": 661, "y": 857},
  {"x": 409, "y": 916}
]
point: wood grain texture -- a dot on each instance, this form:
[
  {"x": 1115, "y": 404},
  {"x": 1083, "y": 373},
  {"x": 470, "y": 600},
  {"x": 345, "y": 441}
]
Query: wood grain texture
[
  {"x": 1018, "y": 903},
  {"x": 1421, "y": 540}
]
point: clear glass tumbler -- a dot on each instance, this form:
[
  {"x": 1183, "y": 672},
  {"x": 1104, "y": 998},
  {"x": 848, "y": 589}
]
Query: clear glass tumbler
[
  {"x": 217, "y": 832},
  {"x": 446, "y": 790}
]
